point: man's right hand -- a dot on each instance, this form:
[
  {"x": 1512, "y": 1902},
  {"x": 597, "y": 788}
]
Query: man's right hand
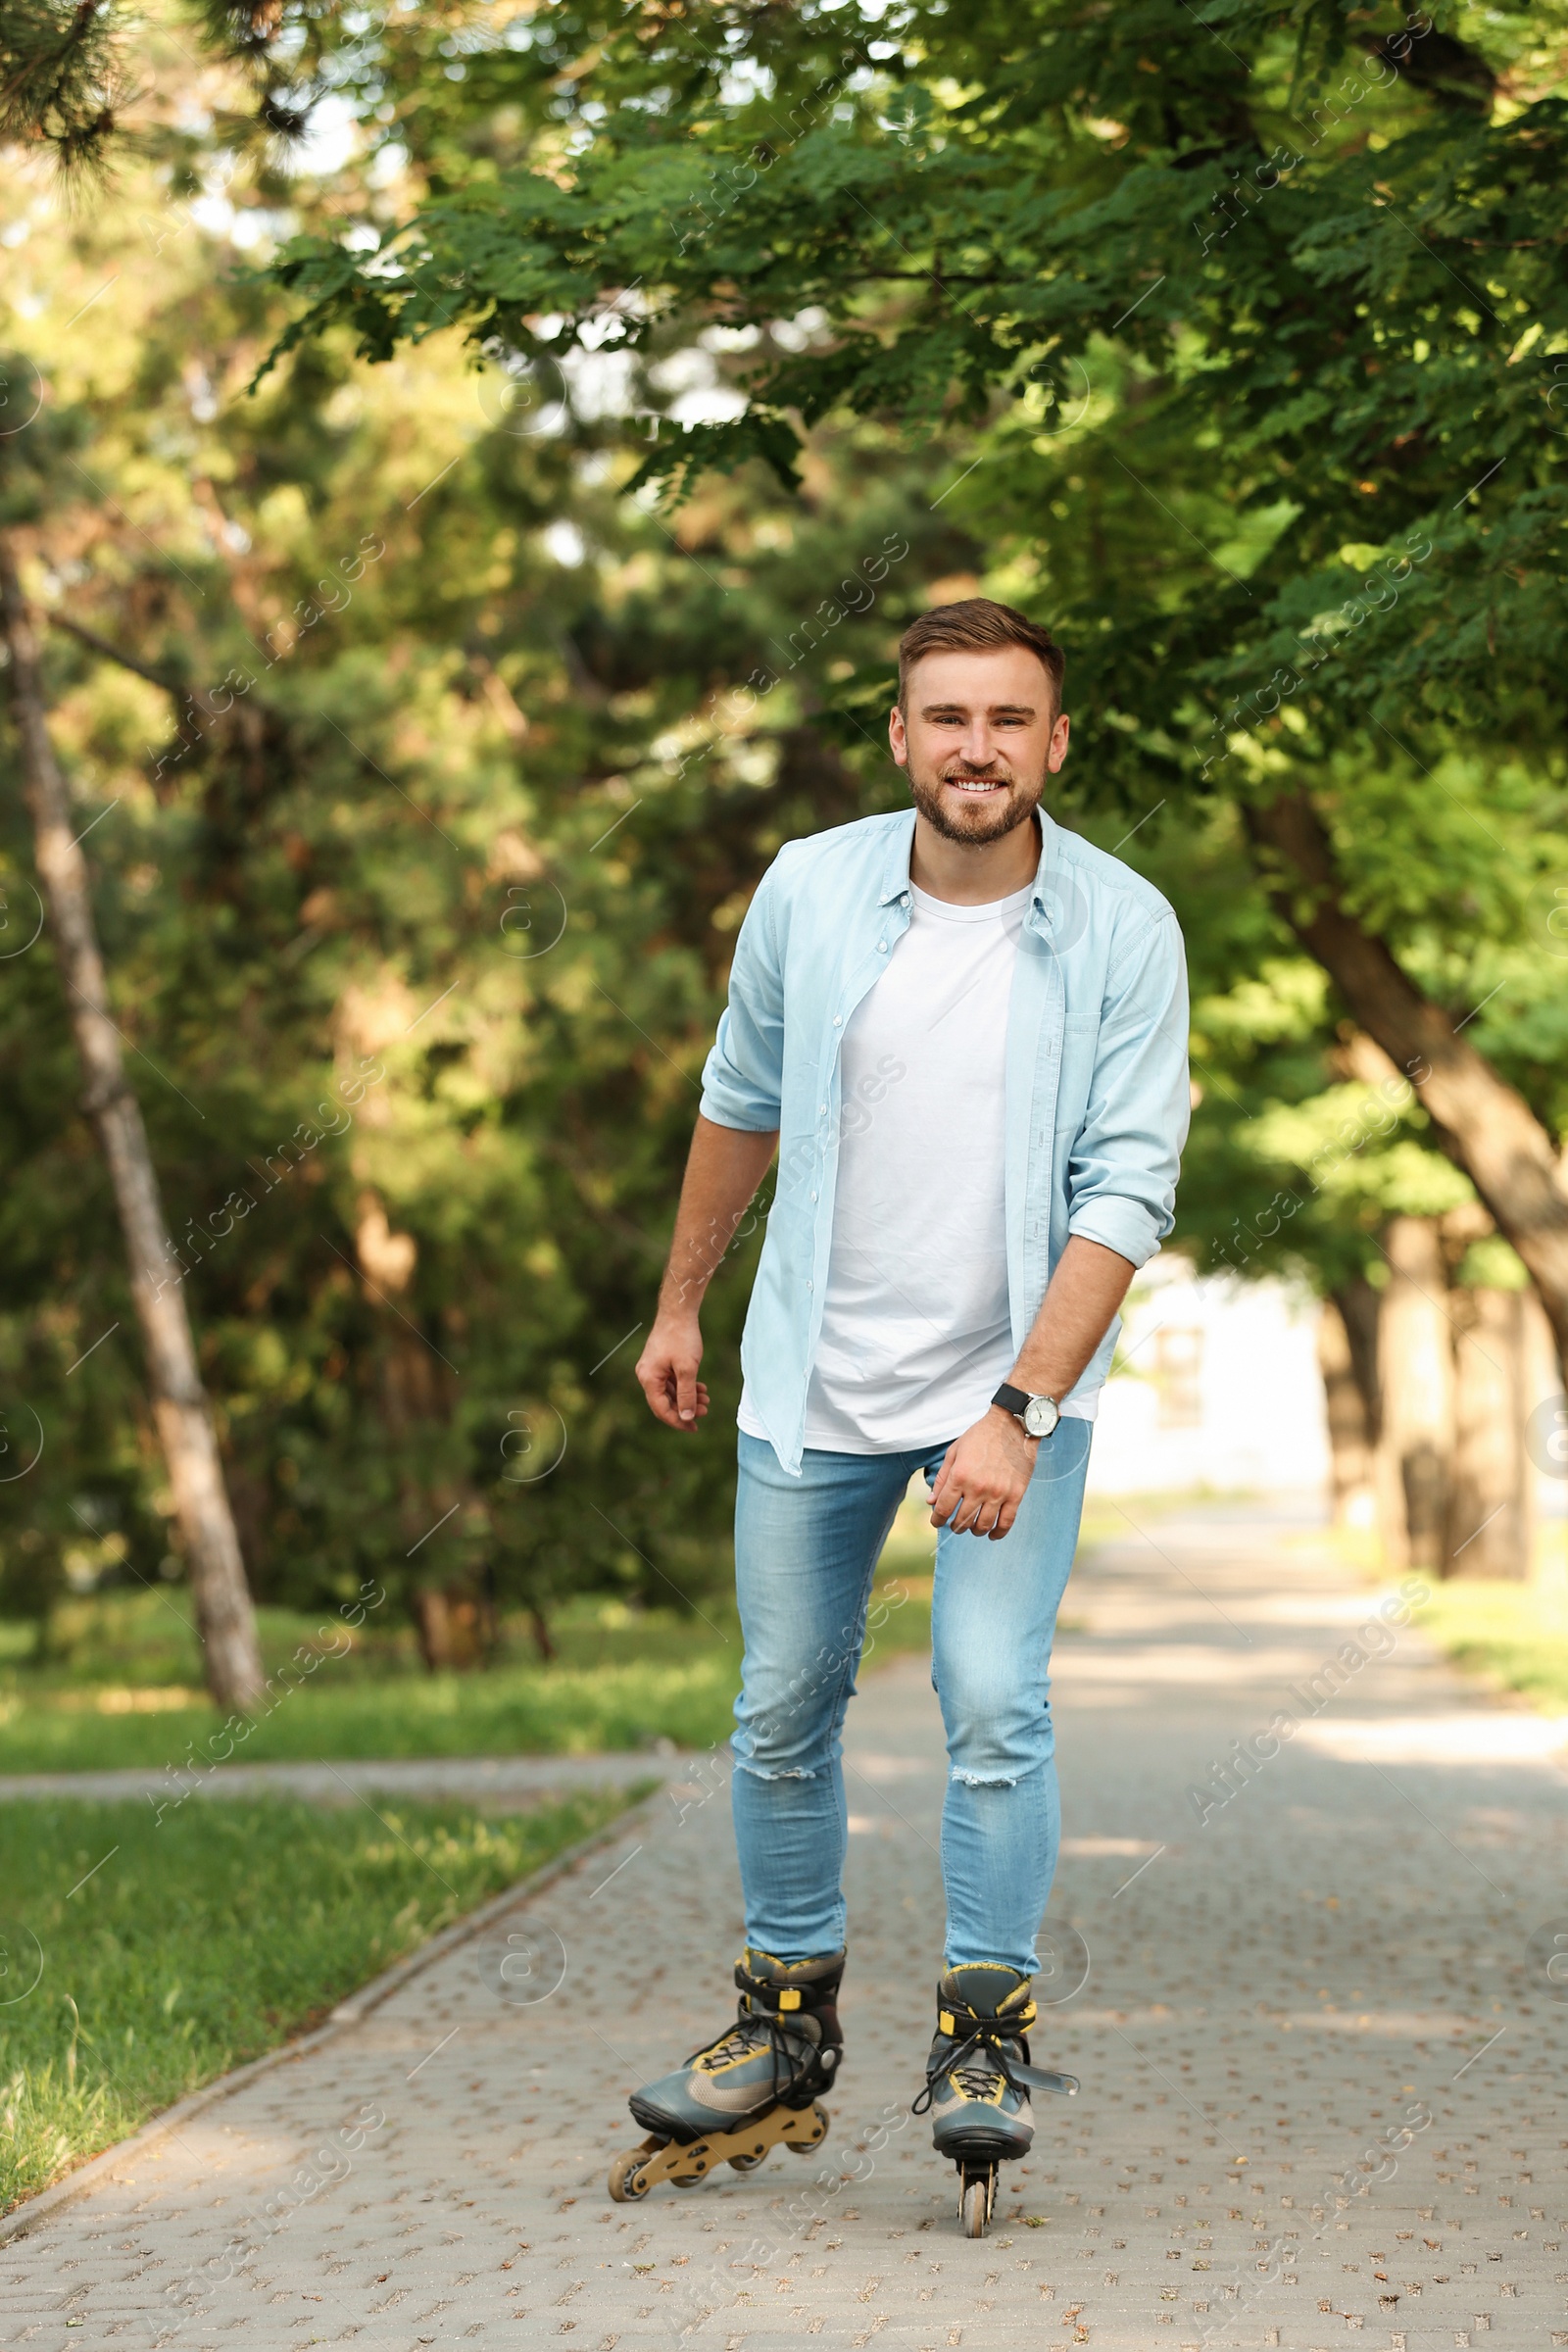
[
  {"x": 723, "y": 1169},
  {"x": 668, "y": 1372}
]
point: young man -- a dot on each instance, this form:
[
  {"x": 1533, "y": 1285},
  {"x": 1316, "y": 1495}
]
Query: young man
[{"x": 965, "y": 1031}]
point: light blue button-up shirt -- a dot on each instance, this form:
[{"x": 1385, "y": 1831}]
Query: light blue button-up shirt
[{"x": 1098, "y": 1095}]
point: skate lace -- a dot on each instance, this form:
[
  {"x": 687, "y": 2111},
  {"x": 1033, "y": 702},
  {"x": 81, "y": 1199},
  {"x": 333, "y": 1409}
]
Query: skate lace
[
  {"x": 978, "y": 2082},
  {"x": 749, "y": 2035},
  {"x": 981, "y": 2061}
]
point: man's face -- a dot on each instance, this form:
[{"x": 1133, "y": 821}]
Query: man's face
[{"x": 979, "y": 740}]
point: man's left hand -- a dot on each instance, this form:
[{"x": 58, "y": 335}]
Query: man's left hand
[{"x": 983, "y": 1477}]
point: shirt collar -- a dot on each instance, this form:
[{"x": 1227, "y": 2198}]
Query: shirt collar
[
  {"x": 896, "y": 865},
  {"x": 901, "y": 841}
]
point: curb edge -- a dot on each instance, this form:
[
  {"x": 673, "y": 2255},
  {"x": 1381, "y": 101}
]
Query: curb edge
[{"x": 348, "y": 2013}]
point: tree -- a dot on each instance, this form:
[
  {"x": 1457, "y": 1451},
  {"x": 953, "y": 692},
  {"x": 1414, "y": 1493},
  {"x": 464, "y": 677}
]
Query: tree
[
  {"x": 1312, "y": 1159},
  {"x": 1265, "y": 310},
  {"x": 63, "y": 86},
  {"x": 374, "y": 675},
  {"x": 428, "y": 777},
  {"x": 224, "y": 1613}
]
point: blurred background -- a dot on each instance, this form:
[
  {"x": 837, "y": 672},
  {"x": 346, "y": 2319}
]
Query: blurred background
[
  {"x": 433, "y": 665},
  {"x": 423, "y": 770}
]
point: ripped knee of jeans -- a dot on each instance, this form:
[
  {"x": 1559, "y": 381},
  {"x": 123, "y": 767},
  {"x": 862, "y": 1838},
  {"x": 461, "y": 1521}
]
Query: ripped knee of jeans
[
  {"x": 777, "y": 1772},
  {"x": 984, "y": 1780}
]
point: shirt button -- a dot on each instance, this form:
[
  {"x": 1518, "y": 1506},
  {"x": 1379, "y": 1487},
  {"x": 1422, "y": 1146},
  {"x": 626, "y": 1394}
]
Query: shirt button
[
  {"x": 838, "y": 1020},
  {"x": 810, "y": 1286},
  {"x": 813, "y": 1195},
  {"x": 881, "y": 947},
  {"x": 822, "y": 1111}
]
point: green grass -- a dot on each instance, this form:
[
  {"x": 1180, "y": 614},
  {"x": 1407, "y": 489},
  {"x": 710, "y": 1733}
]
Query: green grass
[
  {"x": 120, "y": 1684},
  {"x": 508, "y": 1710},
  {"x": 209, "y": 1937},
  {"x": 1515, "y": 1634},
  {"x": 174, "y": 1950}
]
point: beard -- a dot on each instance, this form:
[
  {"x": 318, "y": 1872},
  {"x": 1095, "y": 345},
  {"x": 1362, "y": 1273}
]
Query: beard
[{"x": 978, "y": 819}]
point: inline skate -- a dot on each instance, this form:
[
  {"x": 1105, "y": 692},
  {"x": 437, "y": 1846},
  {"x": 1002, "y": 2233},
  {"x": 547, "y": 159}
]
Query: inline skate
[
  {"x": 978, "y": 2079},
  {"x": 755, "y": 2086}
]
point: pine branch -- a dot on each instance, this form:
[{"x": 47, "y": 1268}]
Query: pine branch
[{"x": 61, "y": 80}]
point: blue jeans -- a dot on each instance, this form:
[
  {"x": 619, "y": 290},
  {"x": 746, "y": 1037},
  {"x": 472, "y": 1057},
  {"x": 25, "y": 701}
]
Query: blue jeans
[{"x": 804, "y": 1552}]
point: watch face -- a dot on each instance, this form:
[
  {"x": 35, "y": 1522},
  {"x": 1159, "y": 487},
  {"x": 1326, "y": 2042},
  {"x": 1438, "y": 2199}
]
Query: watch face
[{"x": 1039, "y": 1416}]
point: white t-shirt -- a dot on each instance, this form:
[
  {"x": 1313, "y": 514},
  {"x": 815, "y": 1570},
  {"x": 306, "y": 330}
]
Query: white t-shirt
[{"x": 916, "y": 1330}]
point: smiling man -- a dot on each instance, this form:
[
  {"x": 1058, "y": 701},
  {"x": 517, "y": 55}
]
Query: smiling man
[{"x": 964, "y": 1030}]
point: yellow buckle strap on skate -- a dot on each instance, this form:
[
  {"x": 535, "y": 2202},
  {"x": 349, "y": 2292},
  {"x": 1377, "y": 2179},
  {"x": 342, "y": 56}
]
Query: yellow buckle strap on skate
[
  {"x": 1026, "y": 2017},
  {"x": 945, "y": 2021},
  {"x": 788, "y": 1996}
]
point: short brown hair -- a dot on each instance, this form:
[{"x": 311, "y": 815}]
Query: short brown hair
[{"x": 977, "y": 625}]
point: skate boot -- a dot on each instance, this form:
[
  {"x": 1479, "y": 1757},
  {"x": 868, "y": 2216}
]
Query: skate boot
[
  {"x": 755, "y": 2085},
  {"x": 978, "y": 2079}
]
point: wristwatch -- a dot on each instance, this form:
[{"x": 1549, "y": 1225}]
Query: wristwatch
[{"x": 1039, "y": 1414}]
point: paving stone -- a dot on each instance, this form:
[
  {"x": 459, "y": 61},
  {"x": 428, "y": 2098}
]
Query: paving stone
[{"x": 1320, "y": 2064}]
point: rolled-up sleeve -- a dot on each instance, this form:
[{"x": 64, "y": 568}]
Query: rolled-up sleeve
[
  {"x": 743, "y": 1077},
  {"x": 1121, "y": 1181}
]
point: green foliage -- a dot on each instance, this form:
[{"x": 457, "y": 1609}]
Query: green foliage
[
  {"x": 415, "y": 892},
  {"x": 203, "y": 1940},
  {"x": 70, "y": 85},
  {"x": 447, "y": 757},
  {"x": 1260, "y": 339},
  {"x": 1304, "y": 258},
  {"x": 60, "y": 73}
]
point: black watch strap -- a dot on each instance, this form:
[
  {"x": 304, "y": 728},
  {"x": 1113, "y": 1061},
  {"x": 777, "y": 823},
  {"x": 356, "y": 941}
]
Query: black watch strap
[{"x": 1039, "y": 1415}]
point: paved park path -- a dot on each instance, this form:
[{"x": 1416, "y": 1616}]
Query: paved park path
[{"x": 1322, "y": 2063}]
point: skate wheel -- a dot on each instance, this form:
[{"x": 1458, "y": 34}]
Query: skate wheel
[
  {"x": 977, "y": 2195},
  {"x": 813, "y": 2132},
  {"x": 747, "y": 2164},
  {"x": 626, "y": 2181}
]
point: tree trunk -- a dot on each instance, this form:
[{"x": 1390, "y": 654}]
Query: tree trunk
[
  {"x": 1546, "y": 1410},
  {"x": 1360, "y": 1310},
  {"x": 1490, "y": 1518},
  {"x": 454, "y": 1626},
  {"x": 1417, "y": 1369},
  {"x": 1351, "y": 1457},
  {"x": 225, "y": 1616},
  {"x": 1485, "y": 1127}
]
